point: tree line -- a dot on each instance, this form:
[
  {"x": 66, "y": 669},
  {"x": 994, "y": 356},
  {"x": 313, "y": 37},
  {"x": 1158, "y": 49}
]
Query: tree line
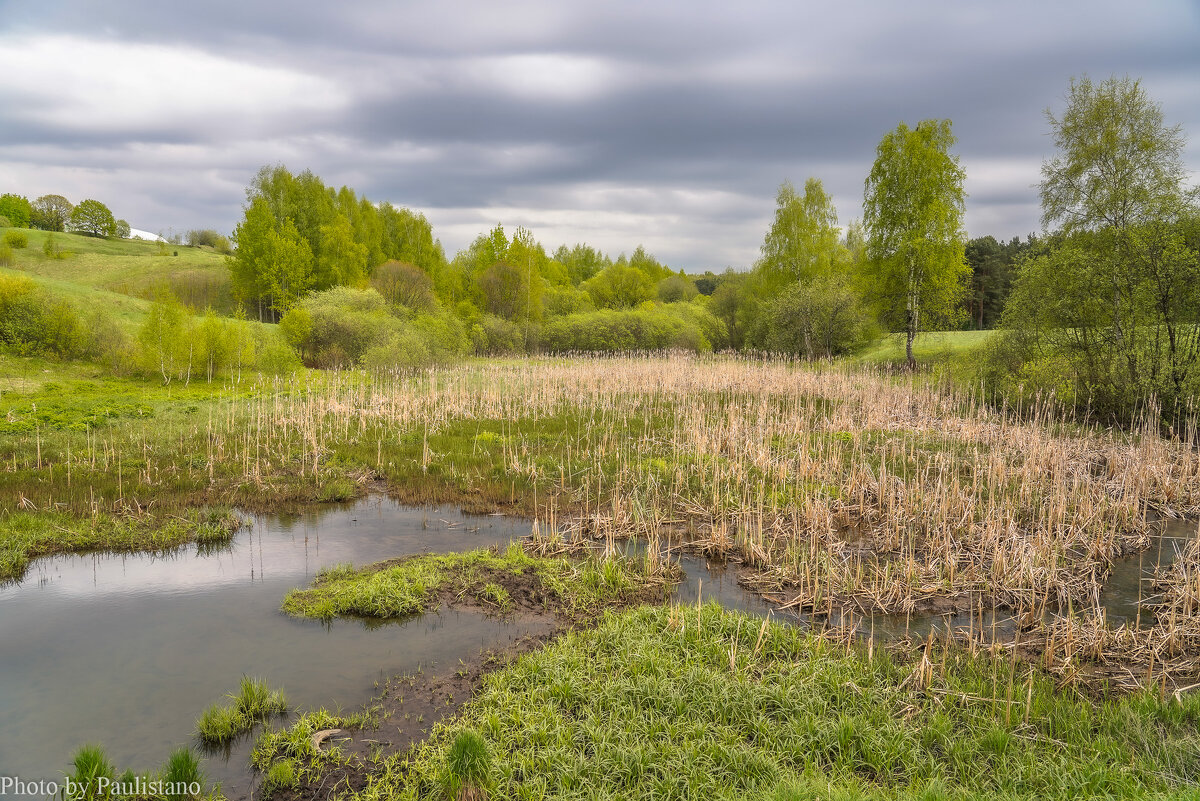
[
  {"x": 56, "y": 213},
  {"x": 1099, "y": 312}
]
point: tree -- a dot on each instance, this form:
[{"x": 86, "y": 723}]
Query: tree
[
  {"x": 912, "y": 211},
  {"x": 93, "y": 218},
  {"x": 405, "y": 285},
  {"x": 1119, "y": 173},
  {"x": 122, "y": 229},
  {"x": 51, "y": 212},
  {"x": 1112, "y": 299},
  {"x": 803, "y": 242},
  {"x": 343, "y": 261},
  {"x": 17, "y": 209}
]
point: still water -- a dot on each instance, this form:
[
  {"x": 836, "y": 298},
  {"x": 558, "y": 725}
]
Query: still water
[{"x": 126, "y": 650}]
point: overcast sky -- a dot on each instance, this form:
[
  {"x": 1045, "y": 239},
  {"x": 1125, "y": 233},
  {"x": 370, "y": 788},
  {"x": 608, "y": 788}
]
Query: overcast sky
[{"x": 615, "y": 123}]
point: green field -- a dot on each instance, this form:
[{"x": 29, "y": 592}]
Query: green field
[
  {"x": 933, "y": 346},
  {"x": 92, "y": 269}
]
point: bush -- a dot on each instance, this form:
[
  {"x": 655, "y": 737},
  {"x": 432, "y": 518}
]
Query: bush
[
  {"x": 16, "y": 239},
  {"x": 33, "y": 320},
  {"x": 336, "y": 327},
  {"x": 679, "y": 325},
  {"x": 7, "y": 257},
  {"x": 819, "y": 319},
  {"x": 5, "y": 222},
  {"x": 404, "y": 284},
  {"x": 497, "y": 336}
]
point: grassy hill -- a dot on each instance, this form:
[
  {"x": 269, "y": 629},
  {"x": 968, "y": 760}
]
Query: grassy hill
[{"x": 134, "y": 268}]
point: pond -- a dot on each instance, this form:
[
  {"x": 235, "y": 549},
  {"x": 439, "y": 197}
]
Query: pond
[{"x": 126, "y": 650}]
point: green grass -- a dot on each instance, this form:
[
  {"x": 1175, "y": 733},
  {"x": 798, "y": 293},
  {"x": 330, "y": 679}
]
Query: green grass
[
  {"x": 126, "y": 266},
  {"x": 93, "y": 777},
  {"x": 705, "y": 703},
  {"x": 253, "y": 703},
  {"x": 287, "y": 756},
  {"x": 414, "y": 585},
  {"x": 934, "y": 346},
  {"x": 26, "y": 535}
]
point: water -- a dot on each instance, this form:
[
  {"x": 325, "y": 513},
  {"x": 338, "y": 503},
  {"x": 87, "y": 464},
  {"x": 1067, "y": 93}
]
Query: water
[{"x": 127, "y": 650}]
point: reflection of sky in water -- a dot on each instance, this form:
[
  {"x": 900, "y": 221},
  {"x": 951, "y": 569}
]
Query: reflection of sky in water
[{"x": 127, "y": 650}]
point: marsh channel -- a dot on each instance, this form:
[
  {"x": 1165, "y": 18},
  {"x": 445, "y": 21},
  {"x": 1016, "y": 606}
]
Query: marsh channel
[{"x": 127, "y": 649}]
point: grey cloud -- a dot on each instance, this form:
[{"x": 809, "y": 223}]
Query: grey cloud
[{"x": 685, "y": 98}]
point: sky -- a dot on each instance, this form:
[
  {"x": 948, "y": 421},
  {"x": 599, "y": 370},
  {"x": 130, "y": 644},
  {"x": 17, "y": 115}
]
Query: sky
[{"x": 669, "y": 125}]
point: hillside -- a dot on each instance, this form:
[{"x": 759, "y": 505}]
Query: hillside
[{"x": 128, "y": 267}]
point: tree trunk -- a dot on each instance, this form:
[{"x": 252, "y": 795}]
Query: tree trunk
[{"x": 910, "y": 330}]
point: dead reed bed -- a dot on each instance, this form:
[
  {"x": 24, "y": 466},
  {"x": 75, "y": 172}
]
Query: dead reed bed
[{"x": 836, "y": 487}]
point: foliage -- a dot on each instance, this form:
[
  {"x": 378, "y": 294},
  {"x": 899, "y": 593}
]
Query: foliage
[
  {"x": 620, "y": 286},
  {"x": 804, "y": 241},
  {"x": 51, "y": 213},
  {"x": 581, "y": 261},
  {"x": 993, "y": 266},
  {"x": 122, "y": 229},
  {"x": 404, "y": 284},
  {"x": 679, "y": 325},
  {"x": 912, "y": 211},
  {"x": 495, "y": 336},
  {"x": 93, "y": 218},
  {"x": 818, "y": 319},
  {"x": 7, "y": 259},
  {"x": 207, "y": 237},
  {"x": 676, "y": 288},
  {"x": 35, "y": 321},
  {"x": 1112, "y": 301},
  {"x": 17, "y": 209},
  {"x": 297, "y": 236},
  {"x": 16, "y": 239}
]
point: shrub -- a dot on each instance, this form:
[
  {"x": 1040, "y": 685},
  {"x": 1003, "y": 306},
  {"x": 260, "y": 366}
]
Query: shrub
[
  {"x": 7, "y": 258},
  {"x": 678, "y": 325},
  {"x": 34, "y": 320},
  {"x": 336, "y": 327},
  {"x": 404, "y": 284},
  {"x": 819, "y": 319},
  {"x": 16, "y": 239},
  {"x": 497, "y": 336}
]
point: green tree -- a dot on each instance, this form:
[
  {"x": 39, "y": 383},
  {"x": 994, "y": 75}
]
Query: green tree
[
  {"x": 912, "y": 211},
  {"x": 165, "y": 339},
  {"x": 288, "y": 270},
  {"x": 17, "y": 209},
  {"x": 1119, "y": 173},
  {"x": 804, "y": 241},
  {"x": 343, "y": 261},
  {"x": 93, "y": 218},
  {"x": 122, "y": 229},
  {"x": 620, "y": 286},
  {"x": 51, "y": 212},
  {"x": 1106, "y": 311},
  {"x": 816, "y": 319}
]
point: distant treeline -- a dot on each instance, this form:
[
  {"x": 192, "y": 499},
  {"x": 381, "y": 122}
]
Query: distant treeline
[{"x": 1101, "y": 313}]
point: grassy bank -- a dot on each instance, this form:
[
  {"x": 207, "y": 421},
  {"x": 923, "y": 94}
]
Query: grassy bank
[
  {"x": 498, "y": 582},
  {"x": 687, "y": 702}
]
